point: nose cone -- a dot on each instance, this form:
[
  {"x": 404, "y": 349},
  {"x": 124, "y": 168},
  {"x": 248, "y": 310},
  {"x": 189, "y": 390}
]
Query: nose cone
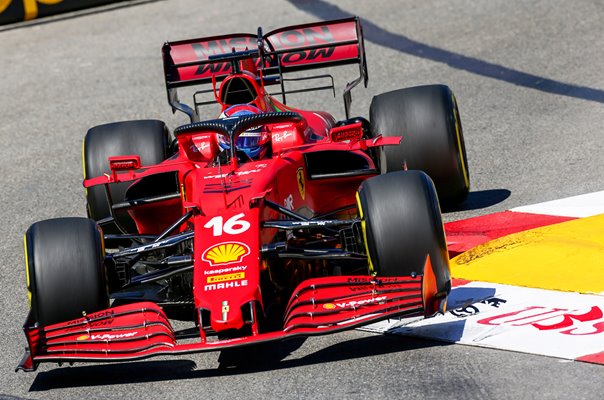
[{"x": 226, "y": 276}]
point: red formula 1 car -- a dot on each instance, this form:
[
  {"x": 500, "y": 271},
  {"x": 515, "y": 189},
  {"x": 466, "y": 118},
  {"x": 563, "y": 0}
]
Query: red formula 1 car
[{"x": 264, "y": 223}]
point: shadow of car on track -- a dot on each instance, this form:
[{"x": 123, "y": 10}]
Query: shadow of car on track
[
  {"x": 450, "y": 327},
  {"x": 264, "y": 357},
  {"x": 167, "y": 370},
  {"x": 464, "y": 296},
  {"x": 480, "y": 199}
]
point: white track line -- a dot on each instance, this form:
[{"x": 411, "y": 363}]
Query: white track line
[
  {"x": 536, "y": 321},
  {"x": 582, "y": 206}
]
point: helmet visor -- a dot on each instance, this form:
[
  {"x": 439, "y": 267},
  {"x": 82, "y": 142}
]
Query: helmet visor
[{"x": 249, "y": 139}]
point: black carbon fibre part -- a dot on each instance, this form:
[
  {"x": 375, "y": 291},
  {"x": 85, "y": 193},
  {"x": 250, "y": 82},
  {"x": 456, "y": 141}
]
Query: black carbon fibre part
[{"x": 235, "y": 125}]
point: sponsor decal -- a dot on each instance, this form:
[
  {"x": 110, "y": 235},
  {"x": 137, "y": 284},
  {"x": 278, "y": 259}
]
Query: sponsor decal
[
  {"x": 280, "y": 137},
  {"x": 308, "y": 55},
  {"x": 473, "y": 309},
  {"x": 282, "y": 40},
  {"x": 225, "y": 310},
  {"x": 199, "y": 147},
  {"x": 95, "y": 324},
  {"x": 225, "y": 253},
  {"x": 94, "y": 316},
  {"x": 303, "y": 37},
  {"x": 212, "y": 47},
  {"x": 107, "y": 336},
  {"x": 301, "y": 182},
  {"x": 238, "y": 268},
  {"x": 306, "y": 224},
  {"x": 205, "y": 49},
  {"x": 588, "y": 321},
  {"x": 286, "y": 39},
  {"x": 360, "y": 288},
  {"x": 289, "y": 202},
  {"x": 346, "y": 133},
  {"x": 355, "y": 303},
  {"x": 365, "y": 288},
  {"x": 377, "y": 281},
  {"x": 360, "y": 279},
  {"x": 225, "y": 285},
  {"x": 259, "y": 168},
  {"x": 224, "y": 278}
]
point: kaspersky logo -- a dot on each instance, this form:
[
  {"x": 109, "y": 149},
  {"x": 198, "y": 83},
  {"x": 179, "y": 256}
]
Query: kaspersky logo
[{"x": 225, "y": 253}]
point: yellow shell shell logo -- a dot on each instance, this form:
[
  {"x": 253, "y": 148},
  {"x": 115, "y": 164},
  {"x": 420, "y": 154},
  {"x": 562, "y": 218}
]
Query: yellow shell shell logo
[
  {"x": 83, "y": 337},
  {"x": 225, "y": 253},
  {"x": 329, "y": 306}
]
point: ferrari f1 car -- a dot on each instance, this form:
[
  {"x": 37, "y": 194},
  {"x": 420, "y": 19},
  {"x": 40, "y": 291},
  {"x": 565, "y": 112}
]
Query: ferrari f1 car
[{"x": 263, "y": 223}]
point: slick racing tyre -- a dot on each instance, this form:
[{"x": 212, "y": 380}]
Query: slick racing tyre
[
  {"x": 149, "y": 139},
  {"x": 65, "y": 270},
  {"x": 401, "y": 223},
  {"x": 428, "y": 119}
]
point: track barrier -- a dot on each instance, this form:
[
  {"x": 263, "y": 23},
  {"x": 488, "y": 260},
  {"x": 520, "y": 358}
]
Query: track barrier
[{"x": 12, "y": 11}]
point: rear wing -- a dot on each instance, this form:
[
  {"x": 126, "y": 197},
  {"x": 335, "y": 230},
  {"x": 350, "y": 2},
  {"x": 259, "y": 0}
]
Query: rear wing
[{"x": 289, "y": 49}]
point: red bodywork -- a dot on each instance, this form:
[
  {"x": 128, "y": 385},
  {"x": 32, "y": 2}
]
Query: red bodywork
[{"x": 229, "y": 210}]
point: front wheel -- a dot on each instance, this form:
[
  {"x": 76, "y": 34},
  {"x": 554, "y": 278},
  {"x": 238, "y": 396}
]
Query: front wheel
[
  {"x": 65, "y": 270},
  {"x": 402, "y": 225}
]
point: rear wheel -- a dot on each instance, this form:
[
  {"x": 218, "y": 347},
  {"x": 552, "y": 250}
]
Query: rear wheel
[
  {"x": 149, "y": 139},
  {"x": 402, "y": 224},
  {"x": 65, "y": 273},
  {"x": 428, "y": 119}
]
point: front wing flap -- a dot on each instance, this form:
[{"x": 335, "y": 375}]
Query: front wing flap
[{"x": 336, "y": 303}]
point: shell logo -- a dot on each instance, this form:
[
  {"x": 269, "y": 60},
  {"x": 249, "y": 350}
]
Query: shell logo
[
  {"x": 225, "y": 253},
  {"x": 329, "y": 306},
  {"x": 83, "y": 337}
]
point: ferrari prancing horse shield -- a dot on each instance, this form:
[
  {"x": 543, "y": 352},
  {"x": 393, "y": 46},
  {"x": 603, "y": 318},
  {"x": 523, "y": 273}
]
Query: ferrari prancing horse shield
[{"x": 301, "y": 182}]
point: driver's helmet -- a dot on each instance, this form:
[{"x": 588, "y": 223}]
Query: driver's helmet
[{"x": 255, "y": 141}]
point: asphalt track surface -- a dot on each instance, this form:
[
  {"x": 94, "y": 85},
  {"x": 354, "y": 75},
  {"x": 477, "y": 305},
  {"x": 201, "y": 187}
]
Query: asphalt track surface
[{"x": 529, "y": 81}]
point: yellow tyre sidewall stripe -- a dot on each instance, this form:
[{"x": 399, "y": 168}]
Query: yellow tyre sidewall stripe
[
  {"x": 84, "y": 174},
  {"x": 462, "y": 161},
  {"x": 364, "y": 229},
  {"x": 27, "y": 277}
]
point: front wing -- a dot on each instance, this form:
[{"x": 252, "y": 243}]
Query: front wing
[{"x": 318, "y": 306}]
